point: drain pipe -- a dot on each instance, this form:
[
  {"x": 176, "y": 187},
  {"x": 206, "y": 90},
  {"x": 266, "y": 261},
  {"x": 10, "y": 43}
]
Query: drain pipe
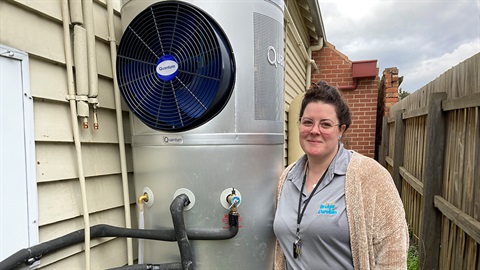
[
  {"x": 163, "y": 266},
  {"x": 306, "y": 53},
  {"x": 296, "y": 35},
  {"x": 76, "y": 13},
  {"x": 81, "y": 61},
  {"x": 92, "y": 58},
  {"x": 176, "y": 210},
  {"x": 76, "y": 133},
  {"x": 311, "y": 62},
  {"x": 141, "y": 224},
  {"x": 121, "y": 139},
  {"x": 28, "y": 256},
  {"x": 81, "y": 72}
]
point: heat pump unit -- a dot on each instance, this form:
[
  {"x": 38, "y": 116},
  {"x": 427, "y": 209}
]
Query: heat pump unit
[{"x": 204, "y": 83}]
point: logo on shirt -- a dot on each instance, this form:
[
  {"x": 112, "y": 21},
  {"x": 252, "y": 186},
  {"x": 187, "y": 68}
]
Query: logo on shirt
[{"x": 327, "y": 208}]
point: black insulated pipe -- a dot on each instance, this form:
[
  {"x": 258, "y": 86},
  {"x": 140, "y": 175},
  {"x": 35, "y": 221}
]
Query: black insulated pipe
[
  {"x": 28, "y": 256},
  {"x": 213, "y": 234},
  {"x": 163, "y": 266},
  {"x": 176, "y": 209},
  {"x": 216, "y": 234}
]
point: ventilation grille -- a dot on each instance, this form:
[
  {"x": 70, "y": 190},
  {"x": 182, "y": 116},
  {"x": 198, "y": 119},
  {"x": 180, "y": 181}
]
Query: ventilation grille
[
  {"x": 175, "y": 67},
  {"x": 268, "y": 79}
]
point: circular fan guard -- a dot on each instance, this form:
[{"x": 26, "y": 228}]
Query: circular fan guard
[{"x": 175, "y": 67}]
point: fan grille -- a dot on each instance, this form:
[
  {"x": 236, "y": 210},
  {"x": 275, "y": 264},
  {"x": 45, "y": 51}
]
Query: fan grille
[{"x": 175, "y": 67}]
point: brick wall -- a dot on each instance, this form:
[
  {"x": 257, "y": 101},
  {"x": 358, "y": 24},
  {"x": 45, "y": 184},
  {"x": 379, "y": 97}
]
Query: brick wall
[{"x": 336, "y": 69}]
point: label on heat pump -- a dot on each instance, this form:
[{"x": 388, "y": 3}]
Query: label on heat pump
[
  {"x": 167, "y": 67},
  {"x": 172, "y": 139}
]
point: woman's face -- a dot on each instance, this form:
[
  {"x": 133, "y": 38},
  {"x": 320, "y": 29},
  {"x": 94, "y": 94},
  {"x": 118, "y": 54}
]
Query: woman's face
[{"x": 319, "y": 130}]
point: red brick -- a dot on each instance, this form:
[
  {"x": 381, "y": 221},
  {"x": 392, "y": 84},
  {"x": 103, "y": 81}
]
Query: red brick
[{"x": 391, "y": 100}]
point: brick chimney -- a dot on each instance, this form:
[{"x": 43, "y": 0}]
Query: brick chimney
[{"x": 390, "y": 85}]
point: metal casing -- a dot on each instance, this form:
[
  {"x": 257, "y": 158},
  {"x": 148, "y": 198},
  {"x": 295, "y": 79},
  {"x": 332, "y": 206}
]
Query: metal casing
[{"x": 241, "y": 147}]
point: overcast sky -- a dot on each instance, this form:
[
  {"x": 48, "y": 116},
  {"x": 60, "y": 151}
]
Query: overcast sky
[{"x": 422, "y": 38}]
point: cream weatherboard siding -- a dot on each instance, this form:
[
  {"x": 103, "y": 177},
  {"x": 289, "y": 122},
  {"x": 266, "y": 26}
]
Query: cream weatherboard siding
[
  {"x": 295, "y": 63},
  {"x": 36, "y": 27}
]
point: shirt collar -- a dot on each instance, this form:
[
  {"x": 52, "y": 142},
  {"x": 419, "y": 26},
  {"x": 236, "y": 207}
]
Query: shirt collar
[
  {"x": 341, "y": 160},
  {"x": 339, "y": 166},
  {"x": 298, "y": 170}
]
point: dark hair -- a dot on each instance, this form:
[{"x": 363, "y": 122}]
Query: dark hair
[{"x": 323, "y": 92}]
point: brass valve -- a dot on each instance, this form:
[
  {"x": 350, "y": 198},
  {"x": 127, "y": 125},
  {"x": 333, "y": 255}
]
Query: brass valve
[{"x": 143, "y": 198}]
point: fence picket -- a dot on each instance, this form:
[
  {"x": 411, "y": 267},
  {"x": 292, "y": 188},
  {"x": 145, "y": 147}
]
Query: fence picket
[{"x": 434, "y": 144}]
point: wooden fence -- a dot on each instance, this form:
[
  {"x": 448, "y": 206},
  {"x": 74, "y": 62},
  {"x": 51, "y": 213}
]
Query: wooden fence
[{"x": 431, "y": 146}]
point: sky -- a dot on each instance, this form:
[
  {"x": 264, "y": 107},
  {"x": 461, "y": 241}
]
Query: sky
[{"x": 422, "y": 38}]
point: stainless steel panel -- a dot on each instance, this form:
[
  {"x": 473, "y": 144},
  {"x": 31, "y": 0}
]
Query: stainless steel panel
[{"x": 207, "y": 171}]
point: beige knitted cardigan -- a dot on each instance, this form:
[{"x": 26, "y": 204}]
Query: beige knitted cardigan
[{"x": 376, "y": 217}]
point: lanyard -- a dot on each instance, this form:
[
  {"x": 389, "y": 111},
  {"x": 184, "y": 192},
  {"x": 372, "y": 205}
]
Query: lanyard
[
  {"x": 300, "y": 215},
  {"x": 297, "y": 244}
]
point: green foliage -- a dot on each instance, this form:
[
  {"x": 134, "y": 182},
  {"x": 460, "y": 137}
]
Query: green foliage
[
  {"x": 402, "y": 94},
  {"x": 412, "y": 260}
]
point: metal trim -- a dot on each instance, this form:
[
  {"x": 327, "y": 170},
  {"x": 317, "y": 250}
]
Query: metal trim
[{"x": 207, "y": 139}]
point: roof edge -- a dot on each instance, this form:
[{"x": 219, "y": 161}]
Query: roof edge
[{"x": 317, "y": 18}]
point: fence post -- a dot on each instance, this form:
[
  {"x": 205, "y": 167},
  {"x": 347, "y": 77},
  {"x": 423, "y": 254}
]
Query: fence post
[
  {"x": 398, "y": 149},
  {"x": 429, "y": 245},
  {"x": 382, "y": 155}
]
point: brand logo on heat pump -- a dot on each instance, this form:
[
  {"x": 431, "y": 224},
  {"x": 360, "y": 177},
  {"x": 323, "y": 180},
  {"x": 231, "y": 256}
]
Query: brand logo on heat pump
[
  {"x": 167, "y": 67},
  {"x": 274, "y": 58},
  {"x": 172, "y": 140}
]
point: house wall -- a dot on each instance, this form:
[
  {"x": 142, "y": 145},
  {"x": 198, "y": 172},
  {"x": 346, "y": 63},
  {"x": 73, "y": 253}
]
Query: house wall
[
  {"x": 336, "y": 69},
  {"x": 36, "y": 27},
  {"x": 296, "y": 40}
]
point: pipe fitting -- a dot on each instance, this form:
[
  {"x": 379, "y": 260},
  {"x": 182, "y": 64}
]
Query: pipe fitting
[
  {"x": 142, "y": 198},
  {"x": 230, "y": 198},
  {"x": 95, "y": 116},
  {"x": 233, "y": 200},
  {"x": 85, "y": 122}
]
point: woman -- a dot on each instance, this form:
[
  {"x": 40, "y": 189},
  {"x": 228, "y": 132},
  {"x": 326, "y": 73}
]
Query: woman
[{"x": 336, "y": 209}]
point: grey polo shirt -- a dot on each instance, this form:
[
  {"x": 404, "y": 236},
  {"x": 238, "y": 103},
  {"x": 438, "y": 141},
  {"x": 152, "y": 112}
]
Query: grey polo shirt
[{"x": 324, "y": 226}]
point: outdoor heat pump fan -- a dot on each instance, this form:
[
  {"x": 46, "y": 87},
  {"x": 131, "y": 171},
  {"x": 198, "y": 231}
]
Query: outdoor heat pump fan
[{"x": 175, "y": 66}]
